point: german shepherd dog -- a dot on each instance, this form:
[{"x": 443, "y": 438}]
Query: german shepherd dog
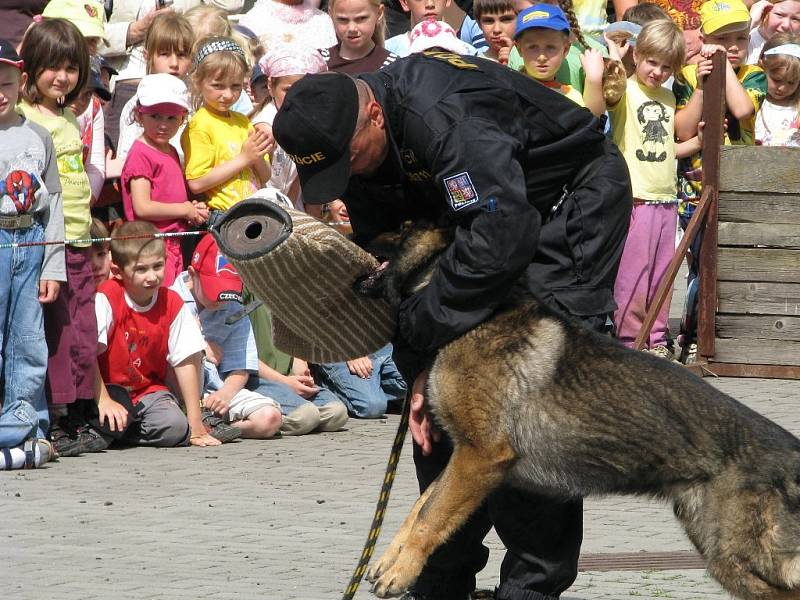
[{"x": 581, "y": 415}]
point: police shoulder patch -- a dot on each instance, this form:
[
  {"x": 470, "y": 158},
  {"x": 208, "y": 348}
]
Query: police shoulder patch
[{"x": 460, "y": 190}]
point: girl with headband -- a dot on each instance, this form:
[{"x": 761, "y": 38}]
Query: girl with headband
[
  {"x": 225, "y": 157},
  {"x": 779, "y": 118}
]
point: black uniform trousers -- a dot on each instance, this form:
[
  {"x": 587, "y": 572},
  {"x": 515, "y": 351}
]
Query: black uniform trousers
[{"x": 579, "y": 251}]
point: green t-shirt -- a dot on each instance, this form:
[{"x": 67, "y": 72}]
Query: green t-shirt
[
  {"x": 261, "y": 322},
  {"x": 571, "y": 71},
  {"x": 76, "y": 194}
]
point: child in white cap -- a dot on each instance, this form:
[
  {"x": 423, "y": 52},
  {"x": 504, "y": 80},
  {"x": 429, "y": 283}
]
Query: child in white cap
[{"x": 153, "y": 186}]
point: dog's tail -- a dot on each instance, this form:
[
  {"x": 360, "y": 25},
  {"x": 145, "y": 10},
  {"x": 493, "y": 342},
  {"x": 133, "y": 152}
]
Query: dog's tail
[{"x": 748, "y": 529}]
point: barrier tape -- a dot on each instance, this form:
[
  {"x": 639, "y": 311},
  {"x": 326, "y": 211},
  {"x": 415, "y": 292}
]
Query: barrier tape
[
  {"x": 380, "y": 508},
  {"x": 144, "y": 236}
]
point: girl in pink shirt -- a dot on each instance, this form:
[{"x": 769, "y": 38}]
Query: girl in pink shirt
[{"x": 153, "y": 186}]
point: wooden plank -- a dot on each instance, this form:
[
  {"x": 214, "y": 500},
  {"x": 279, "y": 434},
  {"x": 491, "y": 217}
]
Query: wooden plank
[
  {"x": 641, "y": 561},
  {"x": 758, "y": 264},
  {"x": 758, "y": 298},
  {"x": 713, "y": 115},
  {"x": 759, "y": 327},
  {"x": 776, "y": 235},
  {"x": 746, "y": 370},
  {"x": 759, "y": 169},
  {"x": 757, "y": 351},
  {"x": 759, "y": 208}
]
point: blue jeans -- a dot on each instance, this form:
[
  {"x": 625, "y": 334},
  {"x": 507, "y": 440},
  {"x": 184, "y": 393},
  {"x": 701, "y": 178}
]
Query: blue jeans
[
  {"x": 23, "y": 351},
  {"x": 364, "y": 398},
  {"x": 286, "y": 396}
]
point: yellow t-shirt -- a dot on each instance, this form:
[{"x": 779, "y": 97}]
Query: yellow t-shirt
[
  {"x": 562, "y": 88},
  {"x": 76, "y": 193},
  {"x": 643, "y": 126},
  {"x": 211, "y": 139}
]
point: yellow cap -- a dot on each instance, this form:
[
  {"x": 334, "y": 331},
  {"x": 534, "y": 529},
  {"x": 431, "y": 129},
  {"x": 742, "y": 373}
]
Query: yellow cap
[
  {"x": 716, "y": 14},
  {"x": 86, "y": 15}
]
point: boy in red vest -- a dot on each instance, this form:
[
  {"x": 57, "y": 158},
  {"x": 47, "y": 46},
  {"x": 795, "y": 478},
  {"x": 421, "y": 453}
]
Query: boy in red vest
[{"x": 143, "y": 331}]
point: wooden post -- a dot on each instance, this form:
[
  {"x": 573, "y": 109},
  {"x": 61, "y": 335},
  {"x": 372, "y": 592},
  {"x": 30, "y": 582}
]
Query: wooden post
[{"x": 713, "y": 116}]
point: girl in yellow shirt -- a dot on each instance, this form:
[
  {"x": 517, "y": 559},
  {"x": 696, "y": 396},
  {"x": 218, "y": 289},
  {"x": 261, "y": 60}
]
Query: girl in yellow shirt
[{"x": 225, "y": 157}]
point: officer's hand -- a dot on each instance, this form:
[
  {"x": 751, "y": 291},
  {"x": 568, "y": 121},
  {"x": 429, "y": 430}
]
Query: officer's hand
[{"x": 420, "y": 421}]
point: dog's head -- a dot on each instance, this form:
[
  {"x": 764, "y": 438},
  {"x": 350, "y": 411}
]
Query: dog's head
[{"x": 412, "y": 256}]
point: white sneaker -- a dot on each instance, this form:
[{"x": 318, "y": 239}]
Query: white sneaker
[{"x": 689, "y": 354}]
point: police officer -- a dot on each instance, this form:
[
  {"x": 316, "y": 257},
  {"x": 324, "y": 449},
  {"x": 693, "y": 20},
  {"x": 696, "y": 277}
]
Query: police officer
[{"x": 538, "y": 197}]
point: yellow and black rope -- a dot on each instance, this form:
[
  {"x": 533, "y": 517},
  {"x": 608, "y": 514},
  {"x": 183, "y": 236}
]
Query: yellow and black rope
[{"x": 380, "y": 509}]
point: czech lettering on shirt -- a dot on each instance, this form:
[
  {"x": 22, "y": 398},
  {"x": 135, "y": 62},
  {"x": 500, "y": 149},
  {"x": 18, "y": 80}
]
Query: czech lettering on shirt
[
  {"x": 309, "y": 159},
  {"x": 460, "y": 190}
]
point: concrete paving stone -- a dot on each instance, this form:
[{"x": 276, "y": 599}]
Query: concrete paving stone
[{"x": 264, "y": 534}]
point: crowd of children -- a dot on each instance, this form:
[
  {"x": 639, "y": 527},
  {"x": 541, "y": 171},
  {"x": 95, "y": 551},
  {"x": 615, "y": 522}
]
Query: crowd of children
[{"x": 144, "y": 340}]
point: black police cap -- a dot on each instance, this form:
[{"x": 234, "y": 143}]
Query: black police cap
[{"x": 314, "y": 126}]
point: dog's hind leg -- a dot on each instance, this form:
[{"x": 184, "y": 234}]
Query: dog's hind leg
[
  {"x": 398, "y": 541},
  {"x": 472, "y": 473}
]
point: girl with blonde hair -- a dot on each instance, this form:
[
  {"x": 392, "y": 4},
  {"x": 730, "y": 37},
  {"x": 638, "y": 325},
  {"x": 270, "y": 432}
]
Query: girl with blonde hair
[{"x": 225, "y": 157}]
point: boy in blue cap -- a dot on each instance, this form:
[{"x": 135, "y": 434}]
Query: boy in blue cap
[{"x": 542, "y": 38}]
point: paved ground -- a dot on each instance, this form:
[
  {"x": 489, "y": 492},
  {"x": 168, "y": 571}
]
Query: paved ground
[
  {"x": 277, "y": 519},
  {"x": 282, "y": 519}
]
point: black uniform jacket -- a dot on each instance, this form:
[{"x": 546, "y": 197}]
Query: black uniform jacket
[{"x": 488, "y": 149}]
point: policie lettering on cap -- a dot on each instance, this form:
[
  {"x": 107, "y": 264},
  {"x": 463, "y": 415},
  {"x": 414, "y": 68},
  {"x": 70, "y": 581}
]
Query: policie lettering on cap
[{"x": 314, "y": 126}]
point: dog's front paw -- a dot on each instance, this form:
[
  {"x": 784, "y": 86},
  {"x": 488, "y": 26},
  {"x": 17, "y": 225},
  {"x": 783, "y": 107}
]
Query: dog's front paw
[
  {"x": 385, "y": 562},
  {"x": 398, "y": 577}
]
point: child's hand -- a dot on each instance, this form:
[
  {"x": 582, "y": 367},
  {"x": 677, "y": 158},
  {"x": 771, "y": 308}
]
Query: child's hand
[
  {"x": 202, "y": 213},
  {"x": 503, "y": 54},
  {"x": 255, "y": 146},
  {"x": 704, "y": 68},
  {"x": 759, "y": 9},
  {"x": 193, "y": 215},
  {"x": 112, "y": 410},
  {"x": 361, "y": 367},
  {"x": 218, "y": 401},
  {"x": 203, "y": 439},
  {"x": 615, "y": 50},
  {"x": 48, "y": 291},
  {"x": 709, "y": 50},
  {"x": 302, "y": 385},
  {"x": 593, "y": 65}
]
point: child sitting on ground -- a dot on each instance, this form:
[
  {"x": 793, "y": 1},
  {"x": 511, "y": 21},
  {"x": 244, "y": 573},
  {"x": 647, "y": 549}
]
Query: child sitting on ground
[
  {"x": 30, "y": 211},
  {"x": 143, "y": 329},
  {"x": 212, "y": 290},
  {"x": 100, "y": 254}
]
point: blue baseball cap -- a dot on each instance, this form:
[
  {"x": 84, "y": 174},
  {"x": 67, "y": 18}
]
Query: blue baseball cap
[{"x": 541, "y": 16}]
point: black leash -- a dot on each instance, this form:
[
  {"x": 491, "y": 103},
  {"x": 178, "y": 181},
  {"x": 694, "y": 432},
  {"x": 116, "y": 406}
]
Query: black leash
[{"x": 383, "y": 500}]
